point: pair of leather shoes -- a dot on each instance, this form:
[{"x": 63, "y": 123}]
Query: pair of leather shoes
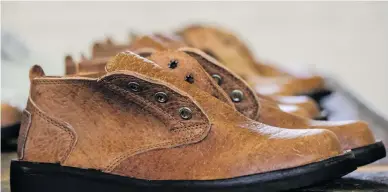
[
  {"x": 172, "y": 119},
  {"x": 354, "y": 135}
]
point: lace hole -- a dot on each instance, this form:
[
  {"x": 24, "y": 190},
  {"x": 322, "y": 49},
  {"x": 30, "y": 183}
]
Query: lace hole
[
  {"x": 217, "y": 78},
  {"x": 173, "y": 64},
  {"x": 185, "y": 113},
  {"x": 189, "y": 78},
  {"x": 237, "y": 96},
  {"x": 161, "y": 97},
  {"x": 133, "y": 86}
]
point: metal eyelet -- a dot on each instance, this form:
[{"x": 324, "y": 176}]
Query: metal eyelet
[
  {"x": 237, "y": 96},
  {"x": 217, "y": 78},
  {"x": 189, "y": 78},
  {"x": 185, "y": 113},
  {"x": 135, "y": 87},
  {"x": 161, "y": 97},
  {"x": 173, "y": 64}
]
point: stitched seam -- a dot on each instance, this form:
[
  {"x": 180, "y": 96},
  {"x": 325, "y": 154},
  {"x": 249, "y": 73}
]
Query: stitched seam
[
  {"x": 119, "y": 159},
  {"x": 64, "y": 81},
  {"x": 24, "y": 133},
  {"x": 57, "y": 124},
  {"x": 186, "y": 128}
]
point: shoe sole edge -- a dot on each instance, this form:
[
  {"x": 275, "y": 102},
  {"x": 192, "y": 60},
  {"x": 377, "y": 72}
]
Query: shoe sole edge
[
  {"x": 368, "y": 154},
  {"x": 42, "y": 177}
]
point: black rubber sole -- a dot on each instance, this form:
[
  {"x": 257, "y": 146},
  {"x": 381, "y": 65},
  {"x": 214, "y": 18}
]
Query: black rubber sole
[
  {"x": 369, "y": 154},
  {"x": 45, "y": 177},
  {"x": 10, "y": 132},
  {"x": 321, "y": 118}
]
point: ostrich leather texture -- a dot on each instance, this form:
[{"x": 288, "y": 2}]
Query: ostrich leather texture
[{"x": 103, "y": 123}]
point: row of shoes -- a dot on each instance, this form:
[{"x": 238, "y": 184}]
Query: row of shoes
[{"x": 192, "y": 110}]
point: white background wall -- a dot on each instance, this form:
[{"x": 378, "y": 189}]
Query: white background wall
[{"x": 346, "y": 39}]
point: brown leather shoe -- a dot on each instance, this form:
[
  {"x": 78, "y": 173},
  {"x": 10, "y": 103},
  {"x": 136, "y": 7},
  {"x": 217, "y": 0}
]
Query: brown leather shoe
[
  {"x": 302, "y": 105},
  {"x": 139, "y": 128},
  {"x": 232, "y": 52},
  {"x": 354, "y": 135}
]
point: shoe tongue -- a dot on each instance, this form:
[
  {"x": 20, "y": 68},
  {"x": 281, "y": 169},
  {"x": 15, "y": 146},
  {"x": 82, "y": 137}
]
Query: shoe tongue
[{"x": 129, "y": 61}]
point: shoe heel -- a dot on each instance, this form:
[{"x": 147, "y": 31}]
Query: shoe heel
[
  {"x": 24, "y": 178},
  {"x": 24, "y": 181},
  {"x": 46, "y": 177}
]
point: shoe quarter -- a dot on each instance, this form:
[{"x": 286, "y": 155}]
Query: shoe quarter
[{"x": 112, "y": 122}]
